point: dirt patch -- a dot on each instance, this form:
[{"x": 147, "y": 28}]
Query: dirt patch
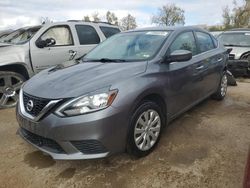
[
  {"x": 39, "y": 160},
  {"x": 187, "y": 156},
  {"x": 67, "y": 173},
  {"x": 205, "y": 147}
]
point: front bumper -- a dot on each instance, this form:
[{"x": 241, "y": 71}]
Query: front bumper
[{"x": 88, "y": 136}]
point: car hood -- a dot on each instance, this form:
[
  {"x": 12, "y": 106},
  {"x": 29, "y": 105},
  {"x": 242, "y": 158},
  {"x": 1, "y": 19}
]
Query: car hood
[
  {"x": 3, "y": 44},
  {"x": 238, "y": 51},
  {"x": 11, "y": 53},
  {"x": 77, "y": 80}
]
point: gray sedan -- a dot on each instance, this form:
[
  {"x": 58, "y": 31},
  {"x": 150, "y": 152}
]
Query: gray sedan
[{"x": 122, "y": 94}]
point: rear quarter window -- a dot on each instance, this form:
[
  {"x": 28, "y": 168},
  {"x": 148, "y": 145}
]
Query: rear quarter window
[
  {"x": 215, "y": 41},
  {"x": 87, "y": 35},
  {"x": 109, "y": 31},
  {"x": 205, "y": 41}
]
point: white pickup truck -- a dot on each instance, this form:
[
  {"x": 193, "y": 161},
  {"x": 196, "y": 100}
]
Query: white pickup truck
[{"x": 27, "y": 51}]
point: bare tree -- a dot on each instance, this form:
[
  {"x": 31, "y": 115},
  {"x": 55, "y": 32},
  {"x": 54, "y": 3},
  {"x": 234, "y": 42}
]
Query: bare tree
[
  {"x": 111, "y": 18},
  {"x": 169, "y": 15},
  {"x": 128, "y": 22},
  {"x": 96, "y": 17},
  {"x": 227, "y": 18},
  {"x": 86, "y": 18},
  {"x": 45, "y": 20}
]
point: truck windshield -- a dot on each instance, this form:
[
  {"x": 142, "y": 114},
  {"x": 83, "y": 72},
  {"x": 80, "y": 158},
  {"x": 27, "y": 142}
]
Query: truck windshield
[
  {"x": 130, "y": 46},
  {"x": 21, "y": 36},
  {"x": 241, "y": 39}
]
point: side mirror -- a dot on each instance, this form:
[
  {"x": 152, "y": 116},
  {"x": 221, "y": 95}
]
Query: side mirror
[
  {"x": 179, "y": 56},
  {"x": 45, "y": 43},
  {"x": 229, "y": 50}
]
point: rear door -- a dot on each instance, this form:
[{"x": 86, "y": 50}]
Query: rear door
[
  {"x": 62, "y": 51},
  {"x": 88, "y": 38},
  {"x": 208, "y": 69}
]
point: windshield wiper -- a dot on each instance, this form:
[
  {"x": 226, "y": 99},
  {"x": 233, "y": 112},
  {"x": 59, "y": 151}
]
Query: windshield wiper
[
  {"x": 237, "y": 45},
  {"x": 105, "y": 60}
]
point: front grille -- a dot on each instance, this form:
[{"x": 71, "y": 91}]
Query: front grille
[
  {"x": 89, "y": 146},
  {"x": 38, "y": 104},
  {"x": 231, "y": 56},
  {"x": 42, "y": 142}
]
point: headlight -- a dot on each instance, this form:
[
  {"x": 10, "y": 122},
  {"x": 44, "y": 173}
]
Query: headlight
[{"x": 87, "y": 103}]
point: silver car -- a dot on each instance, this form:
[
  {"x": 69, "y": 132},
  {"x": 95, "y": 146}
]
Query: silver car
[
  {"x": 29, "y": 50},
  {"x": 238, "y": 40}
]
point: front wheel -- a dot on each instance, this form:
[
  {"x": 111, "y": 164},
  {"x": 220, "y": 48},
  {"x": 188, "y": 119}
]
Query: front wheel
[
  {"x": 10, "y": 84},
  {"x": 222, "y": 89},
  {"x": 145, "y": 129}
]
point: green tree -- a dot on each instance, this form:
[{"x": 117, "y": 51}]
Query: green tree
[
  {"x": 239, "y": 16},
  {"x": 169, "y": 15}
]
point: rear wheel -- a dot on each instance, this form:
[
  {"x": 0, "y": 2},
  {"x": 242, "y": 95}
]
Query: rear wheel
[
  {"x": 10, "y": 84},
  {"x": 222, "y": 89},
  {"x": 145, "y": 129}
]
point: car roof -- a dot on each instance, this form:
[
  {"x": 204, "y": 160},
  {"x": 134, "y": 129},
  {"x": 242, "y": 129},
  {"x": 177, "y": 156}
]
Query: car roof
[
  {"x": 106, "y": 24},
  {"x": 174, "y": 28},
  {"x": 238, "y": 30}
]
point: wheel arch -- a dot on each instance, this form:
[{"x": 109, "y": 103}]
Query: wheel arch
[
  {"x": 245, "y": 55},
  {"x": 17, "y": 68},
  {"x": 154, "y": 97}
]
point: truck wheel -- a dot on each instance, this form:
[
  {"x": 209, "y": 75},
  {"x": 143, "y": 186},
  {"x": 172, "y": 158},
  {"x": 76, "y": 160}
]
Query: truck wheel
[
  {"x": 222, "y": 89},
  {"x": 10, "y": 84}
]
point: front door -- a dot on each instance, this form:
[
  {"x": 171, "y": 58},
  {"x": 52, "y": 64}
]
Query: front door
[
  {"x": 182, "y": 87},
  {"x": 63, "y": 50}
]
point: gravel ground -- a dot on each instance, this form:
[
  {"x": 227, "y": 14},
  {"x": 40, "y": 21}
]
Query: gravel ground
[{"x": 205, "y": 147}]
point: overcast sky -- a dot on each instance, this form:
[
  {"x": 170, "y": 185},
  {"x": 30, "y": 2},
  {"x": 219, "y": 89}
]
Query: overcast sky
[{"x": 18, "y": 13}]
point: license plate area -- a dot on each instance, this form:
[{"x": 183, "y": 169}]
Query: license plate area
[{"x": 27, "y": 124}]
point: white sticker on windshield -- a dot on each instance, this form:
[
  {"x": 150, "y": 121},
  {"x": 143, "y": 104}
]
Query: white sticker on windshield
[{"x": 161, "y": 33}]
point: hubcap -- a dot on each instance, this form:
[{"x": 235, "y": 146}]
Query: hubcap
[
  {"x": 9, "y": 89},
  {"x": 224, "y": 85},
  {"x": 147, "y": 130}
]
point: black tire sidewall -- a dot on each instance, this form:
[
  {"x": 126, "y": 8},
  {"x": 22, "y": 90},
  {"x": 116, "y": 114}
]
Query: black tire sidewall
[
  {"x": 217, "y": 95},
  {"x": 131, "y": 146}
]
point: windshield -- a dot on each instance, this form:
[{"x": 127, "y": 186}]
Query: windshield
[
  {"x": 11, "y": 35},
  {"x": 235, "y": 39},
  {"x": 2, "y": 37},
  {"x": 131, "y": 46},
  {"x": 20, "y": 36}
]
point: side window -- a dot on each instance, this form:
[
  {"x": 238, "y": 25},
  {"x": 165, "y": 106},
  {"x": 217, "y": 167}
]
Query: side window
[
  {"x": 205, "y": 42},
  {"x": 184, "y": 41},
  {"x": 61, "y": 34},
  {"x": 87, "y": 35},
  {"x": 109, "y": 31}
]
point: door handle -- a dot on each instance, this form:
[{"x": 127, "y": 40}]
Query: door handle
[
  {"x": 200, "y": 67},
  {"x": 72, "y": 54},
  {"x": 220, "y": 59}
]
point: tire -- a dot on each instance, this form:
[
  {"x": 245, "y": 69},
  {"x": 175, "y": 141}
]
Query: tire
[
  {"x": 222, "y": 89},
  {"x": 10, "y": 84},
  {"x": 147, "y": 138},
  {"x": 230, "y": 79}
]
